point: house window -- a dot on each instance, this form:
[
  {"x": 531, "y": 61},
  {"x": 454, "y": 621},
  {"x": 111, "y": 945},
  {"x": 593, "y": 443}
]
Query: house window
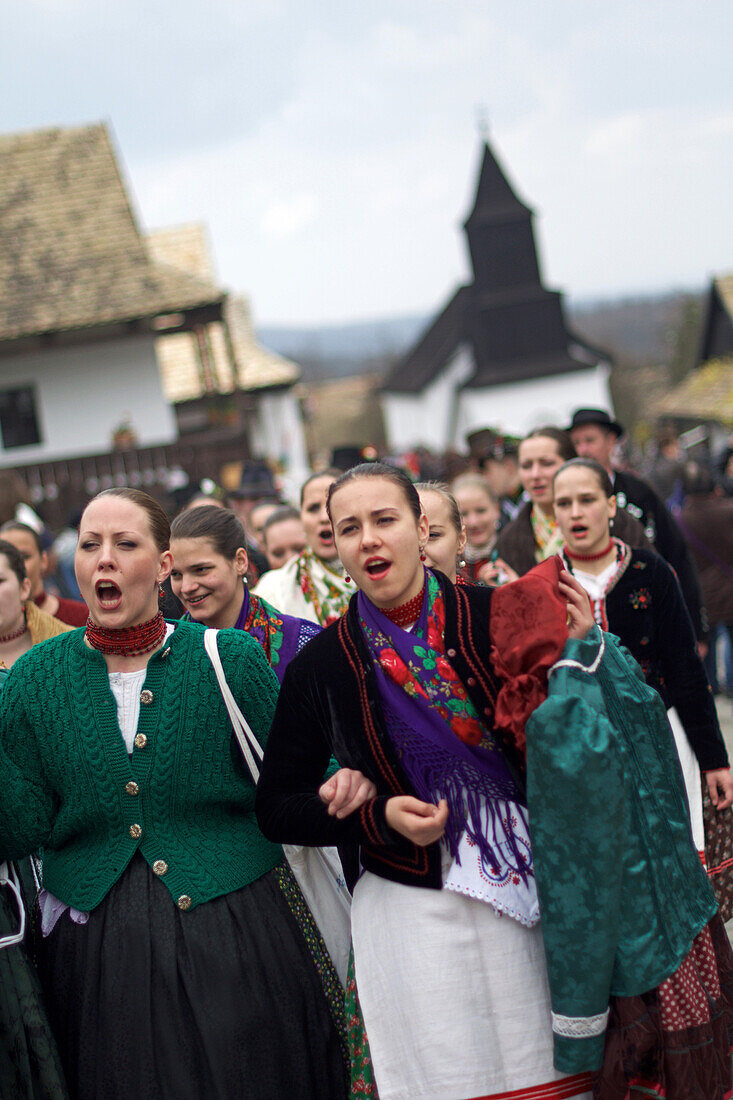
[{"x": 18, "y": 420}]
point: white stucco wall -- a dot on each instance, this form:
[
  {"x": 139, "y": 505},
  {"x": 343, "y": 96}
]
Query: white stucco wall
[
  {"x": 83, "y": 392},
  {"x": 427, "y": 418},
  {"x": 520, "y": 406},
  {"x": 278, "y": 436}
]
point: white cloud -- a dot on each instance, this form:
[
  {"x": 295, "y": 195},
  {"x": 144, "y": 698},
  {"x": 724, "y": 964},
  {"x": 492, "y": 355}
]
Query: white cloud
[{"x": 285, "y": 217}]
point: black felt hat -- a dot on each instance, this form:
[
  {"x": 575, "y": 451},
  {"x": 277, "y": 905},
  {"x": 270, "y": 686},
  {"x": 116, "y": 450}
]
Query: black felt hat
[{"x": 595, "y": 416}]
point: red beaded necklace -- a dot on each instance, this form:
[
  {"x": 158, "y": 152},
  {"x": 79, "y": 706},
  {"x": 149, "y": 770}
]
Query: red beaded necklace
[
  {"x": 406, "y": 613},
  {"x": 589, "y": 557},
  {"x": 128, "y": 641},
  {"x": 15, "y": 633}
]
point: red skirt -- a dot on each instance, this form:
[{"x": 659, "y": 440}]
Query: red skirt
[{"x": 675, "y": 1042}]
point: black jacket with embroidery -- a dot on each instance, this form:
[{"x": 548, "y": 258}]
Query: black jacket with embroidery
[
  {"x": 329, "y": 704},
  {"x": 638, "y": 498},
  {"x": 645, "y": 608}
]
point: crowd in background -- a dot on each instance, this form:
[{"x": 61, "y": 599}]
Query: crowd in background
[{"x": 693, "y": 482}]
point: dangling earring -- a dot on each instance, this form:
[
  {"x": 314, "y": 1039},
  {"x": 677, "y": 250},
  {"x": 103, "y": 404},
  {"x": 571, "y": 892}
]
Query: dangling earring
[
  {"x": 423, "y": 555},
  {"x": 462, "y": 563},
  {"x": 161, "y": 592},
  {"x": 347, "y": 578}
]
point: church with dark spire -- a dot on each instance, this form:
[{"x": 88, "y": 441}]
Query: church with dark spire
[{"x": 500, "y": 353}]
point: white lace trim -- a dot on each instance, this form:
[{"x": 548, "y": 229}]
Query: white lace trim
[
  {"x": 567, "y": 662},
  {"x": 579, "y": 1027}
]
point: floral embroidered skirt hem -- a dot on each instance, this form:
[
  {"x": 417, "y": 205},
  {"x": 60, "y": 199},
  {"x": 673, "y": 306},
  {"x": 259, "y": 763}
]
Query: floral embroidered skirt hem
[
  {"x": 674, "y": 1043},
  {"x": 235, "y": 998}
]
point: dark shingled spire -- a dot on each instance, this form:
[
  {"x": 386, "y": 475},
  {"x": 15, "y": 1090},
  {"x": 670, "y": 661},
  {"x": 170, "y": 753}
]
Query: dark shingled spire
[
  {"x": 494, "y": 194},
  {"x": 499, "y": 233},
  {"x": 514, "y": 325}
]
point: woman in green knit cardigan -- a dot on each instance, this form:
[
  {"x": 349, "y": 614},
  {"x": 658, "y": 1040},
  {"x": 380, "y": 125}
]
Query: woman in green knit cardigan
[{"x": 177, "y": 954}]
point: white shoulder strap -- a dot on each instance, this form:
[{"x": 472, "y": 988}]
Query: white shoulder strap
[
  {"x": 248, "y": 743},
  {"x": 9, "y": 878}
]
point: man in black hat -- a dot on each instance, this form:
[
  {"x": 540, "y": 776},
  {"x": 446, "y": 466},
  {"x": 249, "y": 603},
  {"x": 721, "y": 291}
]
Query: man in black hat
[{"x": 595, "y": 434}]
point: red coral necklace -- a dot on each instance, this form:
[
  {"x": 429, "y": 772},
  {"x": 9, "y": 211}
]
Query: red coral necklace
[
  {"x": 128, "y": 641},
  {"x": 4, "y": 638},
  {"x": 406, "y": 613},
  {"x": 589, "y": 557}
]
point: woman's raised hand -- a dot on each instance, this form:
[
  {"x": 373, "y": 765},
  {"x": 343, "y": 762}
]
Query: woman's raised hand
[
  {"x": 580, "y": 615},
  {"x": 497, "y": 572},
  {"x": 421, "y": 822},
  {"x": 346, "y": 791}
]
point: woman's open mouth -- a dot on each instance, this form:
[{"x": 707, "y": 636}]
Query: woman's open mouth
[
  {"x": 108, "y": 594},
  {"x": 326, "y": 536},
  {"x": 579, "y": 532},
  {"x": 378, "y": 568}
]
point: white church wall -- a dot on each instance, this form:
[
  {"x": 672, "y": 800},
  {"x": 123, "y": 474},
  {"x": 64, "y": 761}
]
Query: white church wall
[
  {"x": 519, "y": 407},
  {"x": 427, "y": 418}
]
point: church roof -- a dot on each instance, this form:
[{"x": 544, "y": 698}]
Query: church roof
[
  {"x": 436, "y": 345},
  {"x": 513, "y": 326},
  {"x": 495, "y": 196},
  {"x": 71, "y": 253},
  {"x": 717, "y": 326}
]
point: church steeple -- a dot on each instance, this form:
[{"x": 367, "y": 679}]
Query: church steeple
[{"x": 499, "y": 231}]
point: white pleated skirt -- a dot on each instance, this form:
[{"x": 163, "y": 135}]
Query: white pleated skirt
[{"x": 455, "y": 998}]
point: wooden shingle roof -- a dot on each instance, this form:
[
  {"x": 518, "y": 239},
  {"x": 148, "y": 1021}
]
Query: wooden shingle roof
[
  {"x": 706, "y": 394},
  {"x": 254, "y": 367},
  {"x": 71, "y": 254}
]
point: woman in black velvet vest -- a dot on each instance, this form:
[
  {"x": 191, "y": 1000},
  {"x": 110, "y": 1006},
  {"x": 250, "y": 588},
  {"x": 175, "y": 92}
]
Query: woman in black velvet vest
[
  {"x": 636, "y": 595},
  {"x": 402, "y": 688}
]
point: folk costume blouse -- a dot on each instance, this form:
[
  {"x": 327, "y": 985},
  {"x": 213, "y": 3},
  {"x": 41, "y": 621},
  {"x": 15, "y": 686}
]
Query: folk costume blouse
[{"x": 308, "y": 588}]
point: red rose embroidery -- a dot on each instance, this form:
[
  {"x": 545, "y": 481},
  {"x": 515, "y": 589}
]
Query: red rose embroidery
[
  {"x": 443, "y": 666},
  {"x": 466, "y": 729},
  {"x": 393, "y": 666}
]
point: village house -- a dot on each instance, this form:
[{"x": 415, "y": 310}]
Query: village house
[
  {"x": 500, "y": 352},
  {"x": 705, "y": 397},
  {"x": 122, "y": 361}
]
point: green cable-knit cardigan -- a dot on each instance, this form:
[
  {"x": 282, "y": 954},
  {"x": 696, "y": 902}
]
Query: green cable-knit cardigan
[{"x": 184, "y": 798}]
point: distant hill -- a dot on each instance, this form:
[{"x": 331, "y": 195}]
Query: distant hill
[
  {"x": 339, "y": 351},
  {"x": 636, "y": 331}
]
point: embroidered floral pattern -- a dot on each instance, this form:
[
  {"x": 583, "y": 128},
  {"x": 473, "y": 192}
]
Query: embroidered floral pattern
[
  {"x": 321, "y": 959},
  {"x": 335, "y": 592},
  {"x": 640, "y": 599},
  {"x": 362, "y": 1071},
  {"x": 439, "y": 683},
  {"x": 267, "y": 629}
]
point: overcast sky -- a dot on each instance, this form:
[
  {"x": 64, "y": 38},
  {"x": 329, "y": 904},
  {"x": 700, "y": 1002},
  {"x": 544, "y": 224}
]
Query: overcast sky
[{"x": 331, "y": 147}]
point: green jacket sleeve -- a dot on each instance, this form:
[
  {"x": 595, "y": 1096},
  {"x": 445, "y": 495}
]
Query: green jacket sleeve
[{"x": 27, "y": 800}]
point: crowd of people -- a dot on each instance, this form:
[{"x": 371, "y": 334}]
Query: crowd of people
[{"x": 272, "y": 771}]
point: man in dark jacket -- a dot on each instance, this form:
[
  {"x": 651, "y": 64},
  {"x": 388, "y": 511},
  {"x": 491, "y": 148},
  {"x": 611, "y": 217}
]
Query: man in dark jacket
[{"x": 595, "y": 435}]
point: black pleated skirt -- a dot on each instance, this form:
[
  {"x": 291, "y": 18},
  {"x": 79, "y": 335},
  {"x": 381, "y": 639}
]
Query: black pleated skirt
[
  {"x": 30, "y": 1068},
  {"x": 235, "y": 999}
]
